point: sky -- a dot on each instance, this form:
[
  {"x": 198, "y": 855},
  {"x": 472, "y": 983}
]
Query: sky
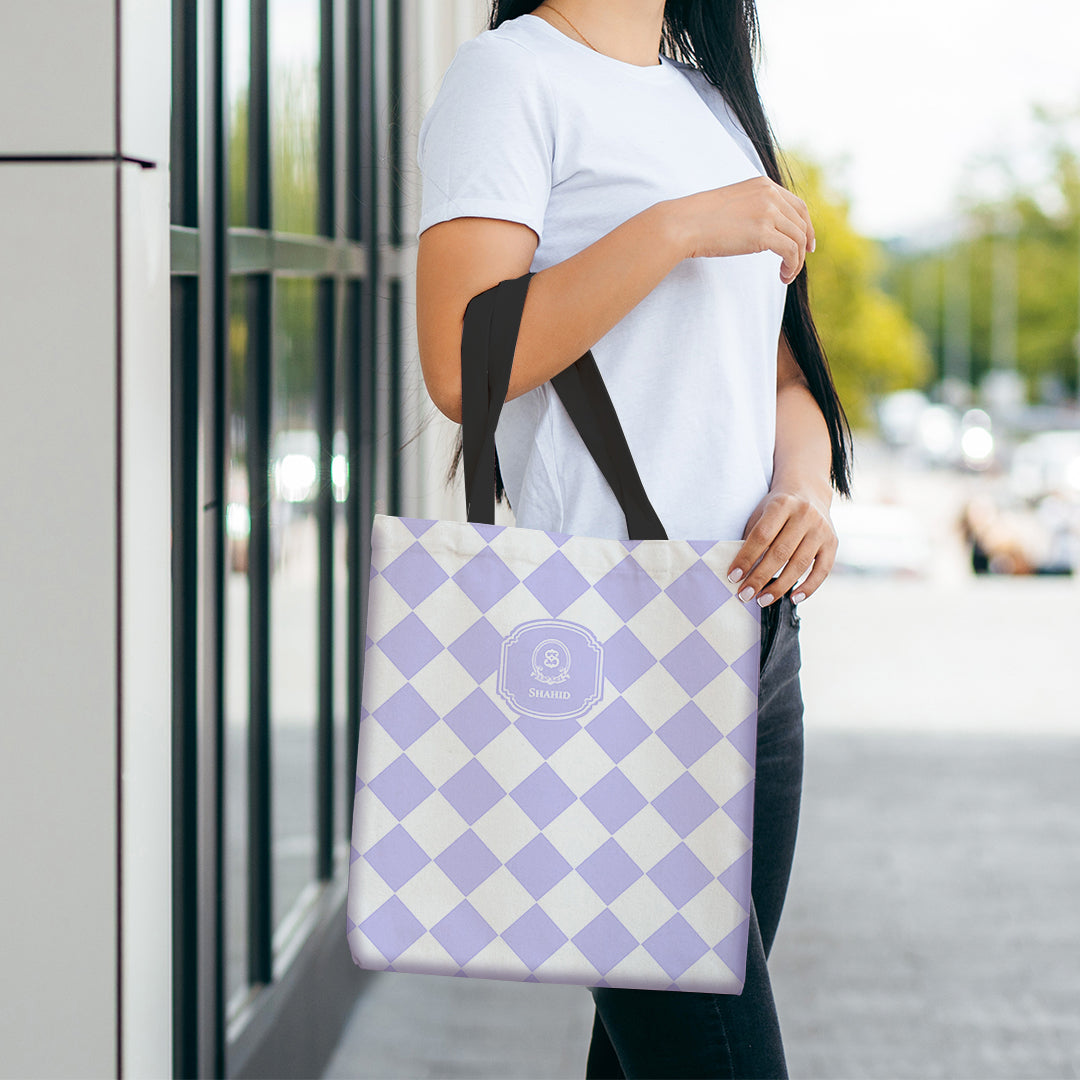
[{"x": 901, "y": 100}]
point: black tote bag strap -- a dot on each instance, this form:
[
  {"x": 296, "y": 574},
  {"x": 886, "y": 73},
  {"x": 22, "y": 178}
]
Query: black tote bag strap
[{"x": 489, "y": 337}]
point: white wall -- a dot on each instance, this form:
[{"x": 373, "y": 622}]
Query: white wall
[{"x": 85, "y": 694}]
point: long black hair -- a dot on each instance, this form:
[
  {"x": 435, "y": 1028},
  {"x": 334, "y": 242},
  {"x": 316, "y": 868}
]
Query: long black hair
[{"x": 721, "y": 39}]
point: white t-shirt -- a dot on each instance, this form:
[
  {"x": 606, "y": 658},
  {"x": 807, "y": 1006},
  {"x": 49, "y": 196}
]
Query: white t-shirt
[{"x": 533, "y": 126}]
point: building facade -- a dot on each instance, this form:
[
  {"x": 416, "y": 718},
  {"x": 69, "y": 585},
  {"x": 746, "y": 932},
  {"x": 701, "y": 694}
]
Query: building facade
[{"x": 207, "y": 250}]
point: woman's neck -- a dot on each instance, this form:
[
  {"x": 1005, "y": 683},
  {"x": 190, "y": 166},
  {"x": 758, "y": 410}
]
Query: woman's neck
[{"x": 628, "y": 30}]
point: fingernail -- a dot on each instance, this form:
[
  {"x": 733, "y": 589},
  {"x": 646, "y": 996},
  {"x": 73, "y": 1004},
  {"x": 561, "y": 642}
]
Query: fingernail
[
  {"x": 746, "y": 593},
  {"x": 765, "y": 599},
  {"x": 735, "y": 575},
  {"x": 813, "y": 244},
  {"x": 798, "y": 598}
]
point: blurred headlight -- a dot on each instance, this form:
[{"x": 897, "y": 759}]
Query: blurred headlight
[
  {"x": 294, "y": 477},
  {"x": 237, "y": 521},
  {"x": 977, "y": 446},
  {"x": 339, "y": 474}
]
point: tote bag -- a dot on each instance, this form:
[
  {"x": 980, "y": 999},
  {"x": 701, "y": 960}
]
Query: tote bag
[{"x": 555, "y": 767}]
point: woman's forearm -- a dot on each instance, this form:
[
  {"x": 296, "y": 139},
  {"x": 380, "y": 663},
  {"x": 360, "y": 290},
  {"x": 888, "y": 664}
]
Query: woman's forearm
[
  {"x": 802, "y": 458},
  {"x": 572, "y": 304}
]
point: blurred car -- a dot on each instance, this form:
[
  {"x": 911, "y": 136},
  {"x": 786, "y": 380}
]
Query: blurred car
[
  {"x": 1012, "y": 535},
  {"x": 880, "y": 538},
  {"x": 1046, "y": 463}
]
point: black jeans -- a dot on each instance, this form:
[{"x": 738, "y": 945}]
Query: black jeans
[{"x": 659, "y": 1034}]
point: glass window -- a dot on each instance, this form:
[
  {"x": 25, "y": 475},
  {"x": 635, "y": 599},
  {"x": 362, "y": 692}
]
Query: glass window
[
  {"x": 294, "y": 114},
  {"x": 236, "y": 647},
  {"x": 294, "y": 598},
  {"x": 237, "y": 86}
]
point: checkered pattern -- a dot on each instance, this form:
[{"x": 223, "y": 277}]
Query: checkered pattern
[{"x": 609, "y": 849}]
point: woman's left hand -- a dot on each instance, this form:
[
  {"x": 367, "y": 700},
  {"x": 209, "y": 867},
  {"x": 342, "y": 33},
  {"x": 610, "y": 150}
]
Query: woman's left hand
[{"x": 790, "y": 529}]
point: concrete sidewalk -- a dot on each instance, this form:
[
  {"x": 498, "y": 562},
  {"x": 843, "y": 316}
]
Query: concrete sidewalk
[{"x": 930, "y": 931}]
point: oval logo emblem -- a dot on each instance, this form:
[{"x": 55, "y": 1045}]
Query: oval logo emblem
[{"x": 551, "y": 670}]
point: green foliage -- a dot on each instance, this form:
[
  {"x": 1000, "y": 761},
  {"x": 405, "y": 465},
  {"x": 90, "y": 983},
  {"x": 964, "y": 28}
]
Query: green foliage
[
  {"x": 1030, "y": 237},
  {"x": 872, "y": 345}
]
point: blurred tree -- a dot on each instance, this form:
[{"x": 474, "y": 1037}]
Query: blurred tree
[
  {"x": 872, "y": 345},
  {"x": 1024, "y": 254}
]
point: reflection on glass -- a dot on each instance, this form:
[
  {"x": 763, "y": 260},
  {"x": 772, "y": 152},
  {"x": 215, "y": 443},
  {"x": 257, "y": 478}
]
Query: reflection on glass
[
  {"x": 344, "y": 756},
  {"x": 237, "y": 530},
  {"x": 294, "y": 568},
  {"x": 294, "y": 114},
  {"x": 237, "y": 86}
]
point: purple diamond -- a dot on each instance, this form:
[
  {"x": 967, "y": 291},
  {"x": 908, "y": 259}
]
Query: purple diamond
[
  {"x": 485, "y": 579},
  {"x": 747, "y": 667},
  {"x": 676, "y": 945},
  {"x": 397, "y": 857},
  {"x": 684, "y": 805},
  {"x": 618, "y": 729},
  {"x": 476, "y": 721},
  {"x": 534, "y": 937},
  {"x": 613, "y": 800},
  {"x": 732, "y": 950},
  {"x": 410, "y": 645},
  {"x": 689, "y": 733},
  {"x": 744, "y": 737},
  {"x": 415, "y": 575},
  {"x": 625, "y": 659},
  {"x": 542, "y": 795},
  {"x": 609, "y": 871},
  {"x": 468, "y": 861},
  {"x": 556, "y": 583},
  {"x": 698, "y": 592},
  {"x": 392, "y": 928},
  {"x": 694, "y": 663},
  {"x": 680, "y": 875},
  {"x": 736, "y": 879},
  {"x": 605, "y": 941},
  {"x": 405, "y": 716},
  {"x": 740, "y": 808},
  {"x": 538, "y": 866},
  {"x": 417, "y": 526},
  {"x": 463, "y": 933},
  {"x": 487, "y": 533},
  {"x": 627, "y": 588},
  {"x": 478, "y": 649},
  {"x": 402, "y": 787},
  {"x": 546, "y": 736},
  {"x": 472, "y": 791}
]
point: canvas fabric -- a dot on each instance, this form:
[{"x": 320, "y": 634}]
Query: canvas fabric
[{"x": 555, "y": 768}]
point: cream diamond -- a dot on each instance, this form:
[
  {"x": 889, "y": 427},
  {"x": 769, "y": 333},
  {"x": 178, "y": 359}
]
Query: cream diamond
[
  {"x": 434, "y": 824},
  {"x": 430, "y": 895},
  {"x": 646, "y": 837},
  {"x": 510, "y": 758},
  {"x": 443, "y": 680},
  {"x": 660, "y": 625},
  {"x": 385, "y": 611},
  {"x": 651, "y": 767},
  {"x": 580, "y": 763},
  {"x": 576, "y": 833},
  {"x": 501, "y": 900},
  {"x": 444, "y": 615},
  {"x": 727, "y": 700},
  {"x": 382, "y": 680},
  {"x": 572, "y": 905},
  {"x": 506, "y": 829},
  {"x": 643, "y": 908}
]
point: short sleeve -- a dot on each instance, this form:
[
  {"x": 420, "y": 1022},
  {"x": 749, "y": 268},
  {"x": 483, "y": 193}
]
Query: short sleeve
[{"x": 486, "y": 144}]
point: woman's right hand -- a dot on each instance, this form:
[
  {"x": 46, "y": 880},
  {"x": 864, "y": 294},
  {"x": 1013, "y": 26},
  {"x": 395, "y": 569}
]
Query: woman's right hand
[{"x": 742, "y": 219}]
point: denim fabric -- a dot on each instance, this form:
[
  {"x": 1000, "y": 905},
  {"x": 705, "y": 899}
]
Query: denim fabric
[{"x": 666, "y": 1034}]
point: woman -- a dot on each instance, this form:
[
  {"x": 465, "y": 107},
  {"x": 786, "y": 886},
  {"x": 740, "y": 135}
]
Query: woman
[{"x": 643, "y": 192}]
